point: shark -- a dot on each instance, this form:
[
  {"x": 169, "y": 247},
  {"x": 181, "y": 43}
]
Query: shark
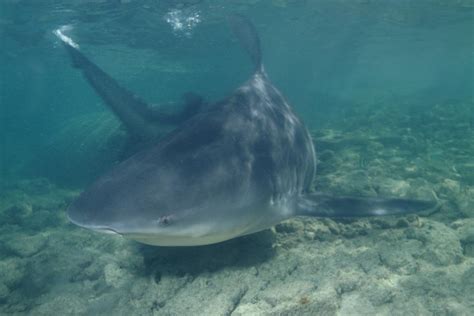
[{"x": 233, "y": 168}]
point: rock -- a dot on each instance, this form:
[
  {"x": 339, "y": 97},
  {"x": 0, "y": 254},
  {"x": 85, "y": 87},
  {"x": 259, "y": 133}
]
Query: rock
[
  {"x": 114, "y": 275},
  {"x": 401, "y": 223},
  {"x": 15, "y": 214},
  {"x": 393, "y": 187},
  {"x": 465, "y": 202},
  {"x": 450, "y": 187},
  {"x": 42, "y": 219},
  {"x": 290, "y": 226},
  {"x": 26, "y": 246},
  {"x": 288, "y": 293},
  {"x": 12, "y": 272},
  {"x": 4, "y": 292},
  {"x": 382, "y": 293},
  {"x": 357, "y": 228},
  {"x": 348, "y": 281},
  {"x": 442, "y": 245},
  {"x": 465, "y": 232},
  {"x": 65, "y": 304}
]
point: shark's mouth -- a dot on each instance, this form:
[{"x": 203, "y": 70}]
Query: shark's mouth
[
  {"x": 108, "y": 230},
  {"x": 98, "y": 228}
]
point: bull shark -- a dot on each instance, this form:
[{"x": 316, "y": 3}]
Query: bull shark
[{"x": 237, "y": 167}]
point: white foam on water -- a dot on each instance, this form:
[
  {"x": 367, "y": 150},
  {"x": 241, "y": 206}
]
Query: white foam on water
[
  {"x": 183, "y": 21},
  {"x": 59, "y": 32}
]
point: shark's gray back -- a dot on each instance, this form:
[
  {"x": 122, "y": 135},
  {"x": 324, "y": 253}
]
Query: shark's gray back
[{"x": 278, "y": 141}]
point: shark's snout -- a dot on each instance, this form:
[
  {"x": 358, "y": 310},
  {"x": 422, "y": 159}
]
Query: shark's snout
[
  {"x": 76, "y": 214},
  {"x": 90, "y": 211},
  {"x": 82, "y": 217}
]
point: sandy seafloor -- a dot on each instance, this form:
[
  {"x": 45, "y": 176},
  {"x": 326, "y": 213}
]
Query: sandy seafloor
[{"x": 413, "y": 265}]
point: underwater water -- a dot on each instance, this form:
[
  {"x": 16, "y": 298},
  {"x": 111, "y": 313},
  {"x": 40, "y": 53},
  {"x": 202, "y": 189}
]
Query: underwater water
[{"x": 386, "y": 89}]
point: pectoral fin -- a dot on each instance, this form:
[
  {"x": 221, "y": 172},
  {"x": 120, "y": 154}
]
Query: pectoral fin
[{"x": 322, "y": 205}]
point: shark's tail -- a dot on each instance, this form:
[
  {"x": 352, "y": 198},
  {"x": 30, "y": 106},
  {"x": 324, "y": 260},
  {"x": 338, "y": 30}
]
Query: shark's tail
[
  {"x": 131, "y": 110},
  {"x": 322, "y": 205},
  {"x": 139, "y": 117}
]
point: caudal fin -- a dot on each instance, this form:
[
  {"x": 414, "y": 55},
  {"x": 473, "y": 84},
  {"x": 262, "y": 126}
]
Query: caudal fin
[
  {"x": 131, "y": 110},
  {"x": 138, "y": 117},
  {"x": 322, "y": 205}
]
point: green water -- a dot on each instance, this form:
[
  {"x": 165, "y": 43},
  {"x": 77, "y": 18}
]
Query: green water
[{"x": 385, "y": 87}]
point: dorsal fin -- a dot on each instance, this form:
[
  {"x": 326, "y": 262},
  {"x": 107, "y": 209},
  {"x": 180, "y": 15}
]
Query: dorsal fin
[{"x": 245, "y": 31}]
